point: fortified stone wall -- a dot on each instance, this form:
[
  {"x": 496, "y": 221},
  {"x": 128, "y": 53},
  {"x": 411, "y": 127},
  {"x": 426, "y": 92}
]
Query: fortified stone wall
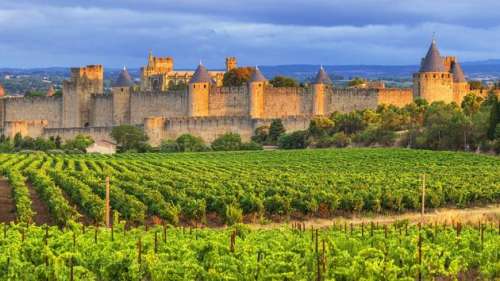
[
  {"x": 101, "y": 113},
  {"x": 97, "y": 133},
  {"x": 396, "y": 97},
  {"x": 32, "y": 128},
  {"x": 208, "y": 128},
  {"x": 161, "y": 104},
  {"x": 35, "y": 108},
  {"x": 347, "y": 100},
  {"x": 228, "y": 101},
  {"x": 2, "y": 112},
  {"x": 282, "y": 102}
]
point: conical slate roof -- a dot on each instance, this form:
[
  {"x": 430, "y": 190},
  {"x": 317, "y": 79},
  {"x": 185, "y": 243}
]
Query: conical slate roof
[
  {"x": 257, "y": 76},
  {"x": 322, "y": 77},
  {"x": 124, "y": 80},
  {"x": 201, "y": 75},
  {"x": 433, "y": 62},
  {"x": 458, "y": 73}
]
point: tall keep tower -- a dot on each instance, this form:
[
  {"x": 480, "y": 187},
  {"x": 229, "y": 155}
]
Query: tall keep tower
[
  {"x": 256, "y": 86},
  {"x": 198, "y": 92},
  {"x": 84, "y": 82},
  {"x": 321, "y": 81},
  {"x": 433, "y": 82}
]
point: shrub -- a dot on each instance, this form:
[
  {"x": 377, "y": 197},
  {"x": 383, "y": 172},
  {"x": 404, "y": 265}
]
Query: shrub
[
  {"x": 295, "y": 140},
  {"x": 379, "y": 136},
  {"x": 341, "y": 140},
  {"x": 275, "y": 131},
  {"x": 80, "y": 142},
  {"x": 251, "y": 146},
  {"x": 261, "y": 134},
  {"x": 227, "y": 142},
  {"x": 129, "y": 137},
  {"x": 190, "y": 143},
  {"x": 169, "y": 146}
]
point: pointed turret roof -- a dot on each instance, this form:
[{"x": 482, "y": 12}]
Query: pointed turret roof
[
  {"x": 201, "y": 75},
  {"x": 322, "y": 77},
  {"x": 50, "y": 91},
  {"x": 433, "y": 62},
  {"x": 458, "y": 73},
  {"x": 257, "y": 76},
  {"x": 2, "y": 91},
  {"x": 124, "y": 80}
]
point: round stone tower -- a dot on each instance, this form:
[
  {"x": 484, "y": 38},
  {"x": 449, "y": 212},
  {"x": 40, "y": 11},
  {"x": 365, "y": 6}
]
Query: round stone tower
[
  {"x": 433, "y": 82},
  {"x": 256, "y": 86},
  {"x": 321, "y": 81},
  {"x": 120, "y": 90},
  {"x": 198, "y": 92}
]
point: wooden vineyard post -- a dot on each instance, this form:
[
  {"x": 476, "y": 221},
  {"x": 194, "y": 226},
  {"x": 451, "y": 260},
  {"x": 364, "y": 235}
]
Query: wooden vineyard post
[
  {"x": 233, "y": 241},
  {"x": 164, "y": 233},
  {"x": 46, "y": 242},
  {"x": 139, "y": 249},
  {"x": 95, "y": 234},
  {"x": 71, "y": 273},
  {"x": 107, "y": 211},
  {"x": 5, "y": 230},
  {"x": 318, "y": 261},
  {"x": 112, "y": 233},
  {"x": 156, "y": 242},
  {"x": 423, "y": 199},
  {"x": 419, "y": 255}
]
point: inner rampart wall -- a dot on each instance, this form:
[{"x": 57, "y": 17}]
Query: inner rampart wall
[{"x": 34, "y": 108}]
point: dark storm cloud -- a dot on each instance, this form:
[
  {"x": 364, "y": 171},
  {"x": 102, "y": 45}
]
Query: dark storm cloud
[{"x": 62, "y": 32}]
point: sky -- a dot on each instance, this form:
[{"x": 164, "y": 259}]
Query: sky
[{"x": 117, "y": 33}]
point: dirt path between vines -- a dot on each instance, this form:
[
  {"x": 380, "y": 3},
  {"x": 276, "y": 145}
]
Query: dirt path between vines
[
  {"x": 7, "y": 204},
  {"x": 490, "y": 213},
  {"x": 42, "y": 214}
]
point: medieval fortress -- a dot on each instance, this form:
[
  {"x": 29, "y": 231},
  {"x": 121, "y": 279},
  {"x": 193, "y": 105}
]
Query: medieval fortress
[{"x": 204, "y": 107}]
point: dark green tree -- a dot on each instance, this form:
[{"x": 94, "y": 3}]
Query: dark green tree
[
  {"x": 275, "y": 131},
  {"x": 494, "y": 117},
  {"x": 282, "y": 81},
  {"x": 129, "y": 137},
  {"x": 190, "y": 143}
]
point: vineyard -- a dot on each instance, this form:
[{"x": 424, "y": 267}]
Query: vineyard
[
  {"x": 341, "y": 252},
  {"x": 161, "y": 204},
  {"x": 219, "y": 188}
]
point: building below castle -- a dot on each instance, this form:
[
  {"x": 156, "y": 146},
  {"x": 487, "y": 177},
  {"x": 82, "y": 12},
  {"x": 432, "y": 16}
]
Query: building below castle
[{"x": 205, "y": 108}]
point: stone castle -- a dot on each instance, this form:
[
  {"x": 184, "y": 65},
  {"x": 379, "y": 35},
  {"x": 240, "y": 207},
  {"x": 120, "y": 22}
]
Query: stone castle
[{"x": 204, "y": 107}]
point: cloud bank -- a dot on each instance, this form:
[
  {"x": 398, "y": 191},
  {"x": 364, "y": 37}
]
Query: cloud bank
[{"x": 259, "y": 32}]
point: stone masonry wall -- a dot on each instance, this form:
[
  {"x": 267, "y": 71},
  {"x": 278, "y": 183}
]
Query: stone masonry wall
[
  {"x": 35, "y": 108},
  {"x": 396, "y": 97},
  {"x": 164, "y": 104},
  {"x": 97, "y": 133},
  {"x": 101, "y": 111},
  {"x": 225, "y": 101},
  {"x": 281, "y": 102},
  {"x": 347, "y": 100}
]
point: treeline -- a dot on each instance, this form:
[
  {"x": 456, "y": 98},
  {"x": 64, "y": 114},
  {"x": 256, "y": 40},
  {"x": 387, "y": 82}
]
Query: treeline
[
  {"x": 472, "y": 126},
  {"x": 53, "y": 144}
]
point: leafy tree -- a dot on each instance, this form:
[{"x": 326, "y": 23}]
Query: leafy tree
[
  {"x": 357, "y": 81},
  {"x": 282, "y": 81},
  {"x": 31, "y": 94},
  {"x": 237, "y": 77},
  {"x": 349, "y": 123},
  {"x": 227, "y": 142},
  {"x": 80, "y": 142},
  {"x": 494, "y": 119},
  {"x": 320, "y": 126},
  {"x": 169, "y": 146},
  {"x": 58, "y": 142},
  {"x": 294, "y": 140},
  {"x": 275, "y": 131},
  {"x": 476, "y": 85},
  {"x": 190, "y": 143},
  {"x": 471, "y": 104},
  {"x": 129, "y": 137}
]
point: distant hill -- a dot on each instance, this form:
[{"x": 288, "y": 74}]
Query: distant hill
[{"x": 476, "y": 70}]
